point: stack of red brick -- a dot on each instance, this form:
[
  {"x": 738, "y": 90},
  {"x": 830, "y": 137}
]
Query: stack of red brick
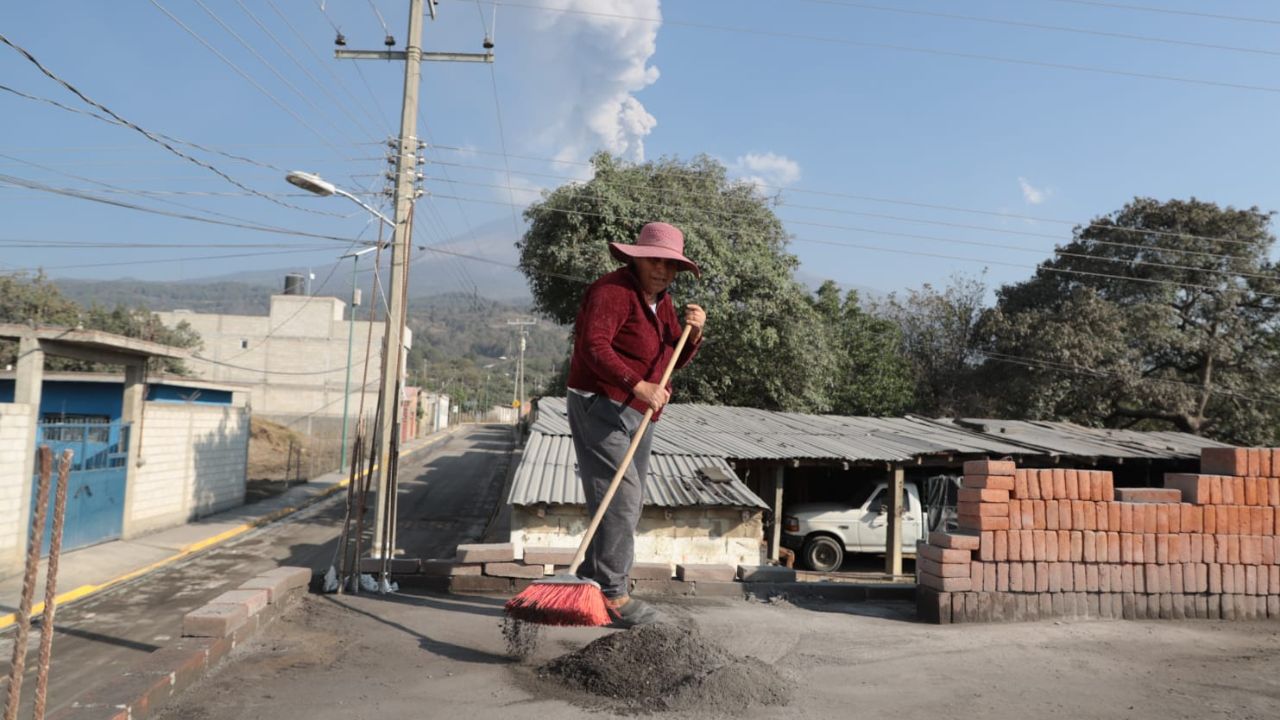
[{"x": 1036, "y": 543}]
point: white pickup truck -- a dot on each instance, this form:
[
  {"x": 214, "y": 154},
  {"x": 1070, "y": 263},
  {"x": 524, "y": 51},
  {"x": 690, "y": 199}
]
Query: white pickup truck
[{"x": 821, "y": 533}]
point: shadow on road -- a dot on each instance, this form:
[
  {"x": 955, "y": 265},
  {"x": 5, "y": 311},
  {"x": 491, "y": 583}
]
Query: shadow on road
[{"x": 441, "y": 648}]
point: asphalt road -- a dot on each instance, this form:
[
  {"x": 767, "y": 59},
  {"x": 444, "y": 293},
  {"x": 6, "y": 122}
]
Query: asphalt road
[{"x": 447, "y": 495}]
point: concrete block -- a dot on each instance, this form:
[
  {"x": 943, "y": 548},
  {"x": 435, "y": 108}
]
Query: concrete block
[
  {"x": 664, "y": 586},
  {"x": 480, "y": 585},
  {"x": 766, "y": 573},
  {"x": 245, "y": 632},
  {"x": 549, "y": 556},
  {"x": 486, "y": 552},
  {"x": 447, "y": 568},
  {"x": 514, "y": 570},
  {"x": 713, "y": 588},
  {"x": 706, "y": 573},
  {"x": 138, "y": 694},
  {"x": 296, "y": 577},
  {"x": 253, "y": 600},
  {"x": 651, "y": 571},
  {"x": 182, "y": 664},
  {"x": 215, "y": 621},
  {"x": 277, "y": 587},
  {"x": 395, "y": 566}
]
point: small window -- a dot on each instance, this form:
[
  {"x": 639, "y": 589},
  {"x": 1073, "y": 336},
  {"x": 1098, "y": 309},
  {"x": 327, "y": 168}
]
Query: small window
[{"x": 244, "y": 344}]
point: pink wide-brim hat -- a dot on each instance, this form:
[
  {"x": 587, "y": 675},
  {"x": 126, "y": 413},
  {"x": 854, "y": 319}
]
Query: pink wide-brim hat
[{"x": 657, "y": 240}]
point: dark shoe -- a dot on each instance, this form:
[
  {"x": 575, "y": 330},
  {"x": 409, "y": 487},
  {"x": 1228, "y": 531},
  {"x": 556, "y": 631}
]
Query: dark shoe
[{"x": 634, "y": 612}]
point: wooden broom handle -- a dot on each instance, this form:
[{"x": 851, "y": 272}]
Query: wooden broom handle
[{"x": 626, "y": 459}]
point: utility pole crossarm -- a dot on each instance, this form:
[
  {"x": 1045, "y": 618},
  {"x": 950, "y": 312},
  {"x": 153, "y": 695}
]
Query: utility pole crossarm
[{"x": 402, "y": 55}]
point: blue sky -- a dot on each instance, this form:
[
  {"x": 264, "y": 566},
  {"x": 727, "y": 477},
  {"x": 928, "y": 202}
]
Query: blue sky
[{"x": 832, "y": 103}]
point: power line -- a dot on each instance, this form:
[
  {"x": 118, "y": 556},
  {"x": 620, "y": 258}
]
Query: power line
[
  {"x": 1096, "y": 372},
  {"x": 80, "y": 194},
  {"x": 110, "y": 121},
  {"x": 909, "y": 49},
  {"x": 864, "y": 198},
  {"x": 953, "y": 241},
  {"x": 1044, "y": 26},
  {"x": 145, "y": 133},
  {"x": 158, "y": 261},
  {"x": 117, "y": 189},
  {"x": 898, "y": 251},
  {"x": 226, "y": 60},
  {"x": 1170, "y": 11},
  {"x": 321, "y": 62},
  {"x": 1059, "y": 238},
  {"x": 323, "y": 88}
]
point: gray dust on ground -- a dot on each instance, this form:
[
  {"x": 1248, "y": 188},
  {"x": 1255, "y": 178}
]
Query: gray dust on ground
[{"x": 663, "y": 667}]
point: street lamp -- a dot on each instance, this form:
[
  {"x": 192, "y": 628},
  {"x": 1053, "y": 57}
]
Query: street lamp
[
  {"x": 317, "y": 185},
  {"x": 351, "y": 329}
]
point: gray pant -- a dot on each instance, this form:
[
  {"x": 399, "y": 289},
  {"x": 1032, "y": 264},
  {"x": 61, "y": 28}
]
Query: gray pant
[{"x": 602, "y": 431}]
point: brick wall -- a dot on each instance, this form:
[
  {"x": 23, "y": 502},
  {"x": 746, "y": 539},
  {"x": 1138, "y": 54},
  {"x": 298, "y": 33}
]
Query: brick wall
[
  {"x": 193, "y": 464},
  {"x": 15, "y": 447},
  {"x": 1067, "y": 543}
]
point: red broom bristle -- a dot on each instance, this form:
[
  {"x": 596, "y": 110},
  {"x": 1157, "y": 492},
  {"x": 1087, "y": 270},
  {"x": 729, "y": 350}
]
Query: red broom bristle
[{"x": 580, "y": 604}]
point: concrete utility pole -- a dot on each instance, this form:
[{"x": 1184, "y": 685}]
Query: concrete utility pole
[
  {"x": 518, "y": 390},
  {"x": 406, "y": 174}
]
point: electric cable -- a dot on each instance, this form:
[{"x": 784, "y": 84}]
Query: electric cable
[{"x": 145, "y": 133}]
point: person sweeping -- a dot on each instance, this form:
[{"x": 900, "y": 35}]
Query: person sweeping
[{"x": 627, "y": 341}]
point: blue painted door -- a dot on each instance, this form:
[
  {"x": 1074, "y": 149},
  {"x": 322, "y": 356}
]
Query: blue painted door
[{"x": 95, "y": 487}]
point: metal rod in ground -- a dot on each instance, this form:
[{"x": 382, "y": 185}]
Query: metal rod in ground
[
  {"x": 339, "y": 562},
  {"x": 29, "y": 585},
  {"x": 350, "y": 558},
  {"x": 51, "y": 584}
]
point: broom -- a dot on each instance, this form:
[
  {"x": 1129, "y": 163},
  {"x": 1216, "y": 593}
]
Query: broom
[{"x": 568, "y": 599}]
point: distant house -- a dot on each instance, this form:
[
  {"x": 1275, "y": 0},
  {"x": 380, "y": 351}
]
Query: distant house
[
  {"x": 293, "y": 360},
  {"x": 793, "y": 457}
]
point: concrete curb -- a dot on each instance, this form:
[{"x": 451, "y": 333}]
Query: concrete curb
[
  {"x": 210, "y": 633},
  {"x": 85, "y": 591}
]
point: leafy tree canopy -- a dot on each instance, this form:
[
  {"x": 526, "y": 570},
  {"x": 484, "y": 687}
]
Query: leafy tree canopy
[
  {"x": 35, "y": 299},
  {"x": 1163, "y": 314}
]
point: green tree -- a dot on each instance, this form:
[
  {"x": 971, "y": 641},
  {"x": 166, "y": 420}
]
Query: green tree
[
  {"x": 1160, "y": 315},
  {"x": 870, "y": 375},
  {"x": 764, "y": 339},
  {"x": 939, "y": 331},
  {"x": 37, "y": 300}
]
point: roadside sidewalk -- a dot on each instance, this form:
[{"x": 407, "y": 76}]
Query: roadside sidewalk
[{"x": 87, "y": 571}]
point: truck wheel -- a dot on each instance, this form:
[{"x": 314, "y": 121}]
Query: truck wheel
[{"x": 823, "y": 553}]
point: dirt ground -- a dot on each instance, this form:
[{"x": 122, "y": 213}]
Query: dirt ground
[{"x": 409, "y": 656}]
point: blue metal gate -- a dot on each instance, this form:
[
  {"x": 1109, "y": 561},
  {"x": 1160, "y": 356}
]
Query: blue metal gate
[{"x": 96, "y": 485}]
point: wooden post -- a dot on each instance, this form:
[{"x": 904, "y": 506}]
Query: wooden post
[
  {"x": 776, "y": 540},
  {"x": 893, "y": 536}
]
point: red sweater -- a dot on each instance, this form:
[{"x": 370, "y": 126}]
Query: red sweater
[{"x": 618, "y": 341}]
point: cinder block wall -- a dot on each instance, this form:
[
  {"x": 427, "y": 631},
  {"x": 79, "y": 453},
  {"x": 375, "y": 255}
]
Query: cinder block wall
[
  {"x": 15, "y": 446},
  {"x": 1066, "y": 543},
  {"x": 193, "y": 465},
  {"x": 722, "y": 536}
]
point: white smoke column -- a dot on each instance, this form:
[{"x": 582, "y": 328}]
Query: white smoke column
[{"x": 590, "y": 66}]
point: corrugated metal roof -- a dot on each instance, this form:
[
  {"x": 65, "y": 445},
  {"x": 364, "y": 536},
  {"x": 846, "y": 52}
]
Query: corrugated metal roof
[
  {"x": 752, "y": 434},
  {"x": 548, "y": 475},
  {"x": 1059, "y": 438}
]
